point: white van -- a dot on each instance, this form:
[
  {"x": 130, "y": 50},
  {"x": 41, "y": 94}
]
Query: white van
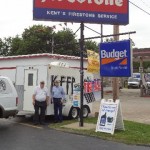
[{"x": 8, "y": 98}]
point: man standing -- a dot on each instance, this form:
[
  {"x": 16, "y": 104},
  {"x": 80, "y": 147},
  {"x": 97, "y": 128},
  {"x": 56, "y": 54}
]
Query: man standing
[
  {"x": 58, "y": 95},
  {"x": 40, "y": 101}
]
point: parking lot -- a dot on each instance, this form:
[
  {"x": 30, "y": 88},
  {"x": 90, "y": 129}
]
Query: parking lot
[{"x": 134, "y": 107}]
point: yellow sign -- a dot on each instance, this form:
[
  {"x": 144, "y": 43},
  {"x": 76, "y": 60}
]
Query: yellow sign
[{"x": 93, "y": 62}]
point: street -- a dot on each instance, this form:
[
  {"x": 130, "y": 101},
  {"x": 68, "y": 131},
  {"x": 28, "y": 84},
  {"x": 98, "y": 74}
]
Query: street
[{"x": 20, "y": 134}]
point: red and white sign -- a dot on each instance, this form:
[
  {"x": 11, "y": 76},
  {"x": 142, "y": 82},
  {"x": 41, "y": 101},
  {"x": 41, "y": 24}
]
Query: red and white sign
[{"x": 99, "y": 11}]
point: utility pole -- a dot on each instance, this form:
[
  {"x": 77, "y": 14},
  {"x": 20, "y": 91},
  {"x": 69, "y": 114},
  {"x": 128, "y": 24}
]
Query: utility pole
[
  {"x": 115, "y": 86},
  {"x": 141, "y": 77}
]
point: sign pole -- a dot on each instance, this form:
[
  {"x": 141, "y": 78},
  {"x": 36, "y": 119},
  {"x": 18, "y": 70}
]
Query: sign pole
[
  {"x": 102, "y": 89},
  {"x": 81, "y": 73},
  {"x": 114, "y": 79}
]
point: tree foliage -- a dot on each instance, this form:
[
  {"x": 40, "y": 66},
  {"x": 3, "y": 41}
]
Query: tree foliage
[
  {"x": 65, "y": 43},
  {"x": 5, "y": 46},
  {"x": 43, "y": 39},
  {"x": 91, "y": 45}
]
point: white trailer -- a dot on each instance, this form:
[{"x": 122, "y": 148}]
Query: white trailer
[{"x": 27, "y": 71}]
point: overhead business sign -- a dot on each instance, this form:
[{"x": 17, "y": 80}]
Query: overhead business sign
[
  {"x": 116, "y": 59},
  {"x": 89, "y": 11}
]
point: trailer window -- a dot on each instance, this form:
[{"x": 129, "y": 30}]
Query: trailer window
[{"x": 30, "y": 79}]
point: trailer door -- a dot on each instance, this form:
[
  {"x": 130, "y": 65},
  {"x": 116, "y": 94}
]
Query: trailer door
[{"x": 30, "y": 83}]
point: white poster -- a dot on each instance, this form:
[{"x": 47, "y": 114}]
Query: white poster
[
  {"x": 108, "y": 115},
  {"x": 76, "y": 98}
]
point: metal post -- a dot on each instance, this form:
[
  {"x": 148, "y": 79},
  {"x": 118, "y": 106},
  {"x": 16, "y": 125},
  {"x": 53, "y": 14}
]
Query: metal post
[
  {"x": 81, "y": 73},
  {"x": 52, "y": 44},
  {"x": 102, "y": 89},
  {"x": 141, "y": 77},
  {"x": 115, "y": 80}
]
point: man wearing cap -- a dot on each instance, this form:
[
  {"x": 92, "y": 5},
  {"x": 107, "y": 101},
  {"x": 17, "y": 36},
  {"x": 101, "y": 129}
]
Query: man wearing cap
[
  {"x": 58, "y": 95},
  {"x": 40, "y": 101}
]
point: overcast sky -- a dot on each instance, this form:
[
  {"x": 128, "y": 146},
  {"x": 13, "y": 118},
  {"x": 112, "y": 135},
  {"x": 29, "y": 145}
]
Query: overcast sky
[{"x": 16, "y": 15}]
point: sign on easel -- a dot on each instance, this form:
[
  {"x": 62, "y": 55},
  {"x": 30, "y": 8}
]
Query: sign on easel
[{"x": 110, "y": 116}]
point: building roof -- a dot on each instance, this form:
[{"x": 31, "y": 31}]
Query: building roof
[
  {"x": 137, "y": 54},
  {"x": 56, "y": 56},
  {"x": 143, "y": 53}
]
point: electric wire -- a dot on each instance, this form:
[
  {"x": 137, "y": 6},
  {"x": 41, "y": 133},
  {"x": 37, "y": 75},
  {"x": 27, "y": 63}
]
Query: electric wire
[
  {"x": 139, "y": 8},
  {"x": 145, "y": 3}
]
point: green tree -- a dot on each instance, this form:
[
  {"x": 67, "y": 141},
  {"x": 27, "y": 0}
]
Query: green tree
[
  {"x": 5, "y": 46},
  {"x": 43, "y": 39},
  {"x": 16, "y": 44},
  {"x": 34, "y": 40},
  {"x": 65, "y": 43},
  {"x": 91, "y": 45}
]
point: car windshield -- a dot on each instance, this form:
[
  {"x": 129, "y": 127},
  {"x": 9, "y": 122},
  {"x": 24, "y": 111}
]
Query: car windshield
[{"x": 133, "y": 80}]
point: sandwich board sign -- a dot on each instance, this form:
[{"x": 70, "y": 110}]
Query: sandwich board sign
[
  {"x": 116, "y": 59},
  {"x": 110, "y": 117}
]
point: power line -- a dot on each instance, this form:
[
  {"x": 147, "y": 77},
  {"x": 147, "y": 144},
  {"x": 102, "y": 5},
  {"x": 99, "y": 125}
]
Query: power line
[
  {"x": 140, "y": 8},
  {"x": 145, "y": 3}
]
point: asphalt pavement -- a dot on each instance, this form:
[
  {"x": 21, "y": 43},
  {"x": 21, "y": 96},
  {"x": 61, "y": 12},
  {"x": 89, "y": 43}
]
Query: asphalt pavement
[
  {"x": 134, "y": 107},
  {"x": 18, "y": 134}
]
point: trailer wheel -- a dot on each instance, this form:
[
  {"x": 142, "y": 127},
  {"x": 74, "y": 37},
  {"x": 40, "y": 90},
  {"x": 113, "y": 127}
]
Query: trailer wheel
[
  {"x": 74, "y": 113},
  {"x": 1, "y": 114},
  {"x": 86, "y": 111}
]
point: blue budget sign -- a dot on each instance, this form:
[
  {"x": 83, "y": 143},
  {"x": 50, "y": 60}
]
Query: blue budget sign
[{"x": 116, "y": 59}]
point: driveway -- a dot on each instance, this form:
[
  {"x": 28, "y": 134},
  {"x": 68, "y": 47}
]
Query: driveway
[
  {"x": 134, "y": 107},
  {"x": 19, "y": 135}
]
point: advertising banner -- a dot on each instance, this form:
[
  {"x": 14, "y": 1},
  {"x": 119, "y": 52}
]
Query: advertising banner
[
  {"x": 91, "y": 91},
  {"x": 116, "y": 59},
  {"x": 93, "y": 62},
  {"x": 88, "y": 11}
]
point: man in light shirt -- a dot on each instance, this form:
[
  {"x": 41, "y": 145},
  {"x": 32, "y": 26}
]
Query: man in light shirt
[
  {"x": 58, "y": 95},
  {"x": 40, "y": 101}
]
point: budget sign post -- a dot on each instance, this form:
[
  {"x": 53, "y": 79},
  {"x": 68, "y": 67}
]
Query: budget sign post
[{"x": 115, "y": 61}]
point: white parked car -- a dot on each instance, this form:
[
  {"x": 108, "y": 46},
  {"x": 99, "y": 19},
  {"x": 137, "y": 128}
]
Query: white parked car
[
  {"x": 133, "y": 82},
  {"x": 8, "y": 98}
]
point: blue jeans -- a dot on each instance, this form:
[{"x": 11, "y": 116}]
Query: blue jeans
[{"x": 57, "y": 109}]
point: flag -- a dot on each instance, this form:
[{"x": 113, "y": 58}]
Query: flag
[
  {"x": 89, "y": 97},
  {"x": 93, "y": 61}
]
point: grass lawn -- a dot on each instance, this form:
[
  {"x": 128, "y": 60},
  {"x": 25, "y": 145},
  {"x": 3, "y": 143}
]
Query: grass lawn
[{"x": 135, "y": 133}]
